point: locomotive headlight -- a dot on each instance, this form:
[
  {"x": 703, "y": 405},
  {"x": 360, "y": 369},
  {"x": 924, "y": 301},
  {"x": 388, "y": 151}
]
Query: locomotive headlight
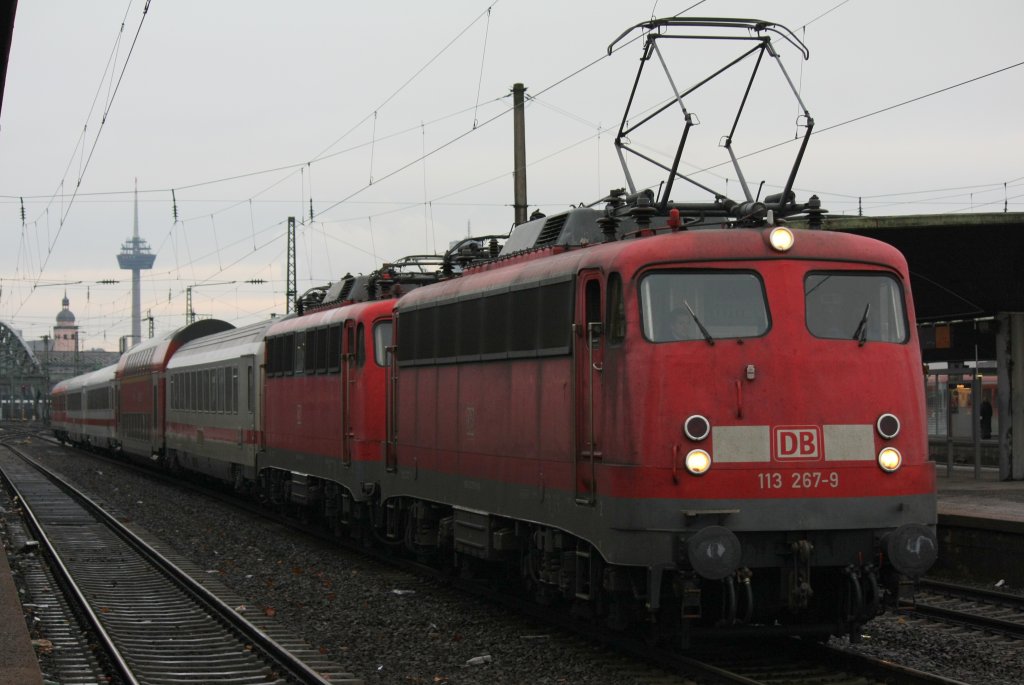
[
  {"x": 781, "y": 238},
  {"x": 698, "y": 462},
  {"x": 889, "y": 459},
  {"x": 696, "y": 427},
  {"x": 888, "y": 426}
]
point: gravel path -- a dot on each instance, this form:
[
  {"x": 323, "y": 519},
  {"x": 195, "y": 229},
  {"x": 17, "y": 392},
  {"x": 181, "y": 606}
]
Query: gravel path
[{"x": 386, "y": 628}]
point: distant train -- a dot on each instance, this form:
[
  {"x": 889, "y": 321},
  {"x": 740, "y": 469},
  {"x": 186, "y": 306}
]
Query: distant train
[{"x": 695, "y": 420}]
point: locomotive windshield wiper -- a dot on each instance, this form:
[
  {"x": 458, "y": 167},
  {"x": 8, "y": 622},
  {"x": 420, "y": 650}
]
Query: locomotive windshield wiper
[
  {"x": 696, "y": 320},
  {"x": 861, "y": 334}
]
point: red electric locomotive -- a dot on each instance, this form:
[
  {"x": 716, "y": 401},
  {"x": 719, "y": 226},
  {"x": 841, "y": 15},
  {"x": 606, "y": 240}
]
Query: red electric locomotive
[
  {"x": 673, "y": 411},
  {"x": 324, "y": 394},
  {"x": 726, "y": 423}
]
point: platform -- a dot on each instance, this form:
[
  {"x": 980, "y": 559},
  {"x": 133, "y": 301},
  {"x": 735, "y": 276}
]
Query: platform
[
  {"x": 987, "y": 497},
  {"x": 981, "y": 527},
  {"x": 19, "y": 664}
]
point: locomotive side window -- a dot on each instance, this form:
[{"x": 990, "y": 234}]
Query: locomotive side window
[
  {"x": 299, "y": 347},
  {"x": 309, "y": 361},
  {"x": 616, "y": 310},
  {"x": 531, "y": 321},
  {"x": 321, "y": 350},
  {"x": 381, "y": 341},
  {"x": 426, "y": 333},
  {"x": 523, "y": 332},
  {"x": 849, "y": 305},
  {"x": 495, "y": 328},
  {"x": 360, "y": 346},
  {"x": 469, "y": 329},
  {"x": 702, "y": 305},
  {"x": 555, "y": 318},
  {"x": 448, "y": 331},
  {"x": 334, "y": 349}
]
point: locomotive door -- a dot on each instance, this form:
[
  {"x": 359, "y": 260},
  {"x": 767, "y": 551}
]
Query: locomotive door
[
  {"x": 588, "y": 363},
  {"x": 348, "y": 369}
]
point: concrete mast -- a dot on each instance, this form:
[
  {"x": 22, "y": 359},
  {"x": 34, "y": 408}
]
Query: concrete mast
[{"x": 135, "y": 255}]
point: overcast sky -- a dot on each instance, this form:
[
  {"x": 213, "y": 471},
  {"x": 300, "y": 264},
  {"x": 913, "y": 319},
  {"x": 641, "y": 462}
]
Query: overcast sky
[{"x": 393, "y": 118}]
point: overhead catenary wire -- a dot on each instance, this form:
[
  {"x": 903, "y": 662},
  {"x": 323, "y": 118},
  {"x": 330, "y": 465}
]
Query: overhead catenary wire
[
  {"x": 92, "y": 149},
  {"x": 426, "y": 203}
]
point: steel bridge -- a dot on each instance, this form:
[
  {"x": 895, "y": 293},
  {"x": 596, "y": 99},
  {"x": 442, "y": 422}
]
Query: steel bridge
[{"x": 23, "y": 380}]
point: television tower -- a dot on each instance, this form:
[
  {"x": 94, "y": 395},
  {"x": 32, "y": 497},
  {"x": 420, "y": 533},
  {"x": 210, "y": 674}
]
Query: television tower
[{"x": 135, "y": 255}]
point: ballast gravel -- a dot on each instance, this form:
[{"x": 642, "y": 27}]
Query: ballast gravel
[{"x": 388, "y": 629}]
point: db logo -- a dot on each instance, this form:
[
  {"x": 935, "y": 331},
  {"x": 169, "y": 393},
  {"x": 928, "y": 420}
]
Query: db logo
[{"x": 797, "y": 443}]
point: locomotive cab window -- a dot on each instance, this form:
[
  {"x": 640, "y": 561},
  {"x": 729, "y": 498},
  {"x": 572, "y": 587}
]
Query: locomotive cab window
[
  {"x": 702, "y": 305},
  {"x": 616, "y": 310},
  {"x": 381, "y": 341},
  {"x": 849, "y": 305}
]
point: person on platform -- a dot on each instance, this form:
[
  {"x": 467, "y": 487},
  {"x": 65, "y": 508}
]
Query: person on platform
[{"x": 986, "y": 419}]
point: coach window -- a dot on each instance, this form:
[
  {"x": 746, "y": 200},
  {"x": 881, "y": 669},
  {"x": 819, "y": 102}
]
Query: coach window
[
  {"x": 204, "y": 403},
  {"x": 250, "y": 388},
  {"x": 381, "y": 342},
  {"x": 616, "y": 310},
  {"x": 702, "y": 306},
  {"x": 846, "y": 305},
  {"x": 226, "y": 390}
]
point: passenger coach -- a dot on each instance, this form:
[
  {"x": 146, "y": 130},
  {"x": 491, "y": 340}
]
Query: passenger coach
[
  {"x": 83, "y": 409},
  {"x": 214, "y": 404}
]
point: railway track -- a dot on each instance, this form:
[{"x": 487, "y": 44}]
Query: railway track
[
  {"x": 984, "y": 610},
  {"x": 629, "y": 660},
  {"x": 155, "y": 623}
]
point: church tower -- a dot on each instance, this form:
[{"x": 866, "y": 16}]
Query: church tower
[{"x": 65, "y": 332}]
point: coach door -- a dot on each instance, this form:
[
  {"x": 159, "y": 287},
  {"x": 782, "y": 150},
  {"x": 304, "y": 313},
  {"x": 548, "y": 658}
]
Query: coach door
[
  {"x": 588, "y": 352},
  {"x": 348, "y": 370}
]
